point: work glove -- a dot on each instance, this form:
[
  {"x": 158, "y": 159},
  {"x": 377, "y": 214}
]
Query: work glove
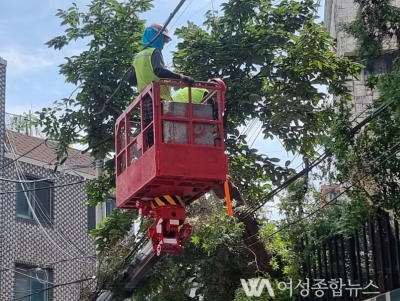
[{"x": 188, "y": 80}]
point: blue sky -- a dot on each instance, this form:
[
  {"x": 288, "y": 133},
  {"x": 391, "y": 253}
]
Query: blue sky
[{"x": 33, "y": 81}]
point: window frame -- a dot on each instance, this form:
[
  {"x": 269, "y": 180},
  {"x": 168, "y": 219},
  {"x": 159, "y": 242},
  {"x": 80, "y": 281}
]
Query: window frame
[
  {"x": 105, "y": 206},
  {"x": 28, "y": 273},
  {"x": 35, "y": 199},
  {"x": 111, "y": 201},
  {"x": 91, "y": 217}
]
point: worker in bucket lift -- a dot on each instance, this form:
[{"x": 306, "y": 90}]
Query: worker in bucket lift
[
  {"x": 148, "y": 66},
  {"x": 198, "y": 94},
  {"x": 183, "y": 95}
]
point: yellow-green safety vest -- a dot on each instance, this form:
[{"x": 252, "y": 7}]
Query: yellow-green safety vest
[
  {"x": 183, "y": 95},
  {"x": 145, "y": 74}
]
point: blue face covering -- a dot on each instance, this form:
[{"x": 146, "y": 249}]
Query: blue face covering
[{"x": 149, "y": 34}]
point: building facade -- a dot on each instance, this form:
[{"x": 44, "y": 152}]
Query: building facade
[
  {"x": 337, "y": 12},
  {"x": 386, "y": 271},
  {"x": 46, "y": 252}
]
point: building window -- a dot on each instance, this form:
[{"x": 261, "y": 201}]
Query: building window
[
  {"x": 37, "y": 202},
  {"x": 107, "y": 209},
  {"x": 32, "y": 284},
  {"x": 110, "y": 206}
]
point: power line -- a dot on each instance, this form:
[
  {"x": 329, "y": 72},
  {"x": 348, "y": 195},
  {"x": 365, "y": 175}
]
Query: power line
[
  {"x": 250, "y": 210},
  {"x": 335, "y": 198},
  {"x": 191, "y": 16},
  {"x": 20, "y": 271},
  {"x": 25, "y": 181},
  {"x": 48, "y": 264},
  {"x": 54, "y": 286},
  {"x": 172, "y": 26},
  {"x": 350, "y": 133},
  {"x": 40, "y": 210},
  {"x": 51, "y": 187},
  {"x": 23, "y": 155}
]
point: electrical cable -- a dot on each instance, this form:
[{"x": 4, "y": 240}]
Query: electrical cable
[
  {"x": 255, "y": 138},
  {"x": 49, "y": 222},
  {"x": 53, "y": 148},
  {"x": 55, "y": 186},
  {"x": 51, "y": 287},
  {"x": 250, "y": 210},
  {"x": 23, "y": 155},
  {"x": 20, "y": 271},
  {"x": 26, "y": 181},
  {"x": 172, "y": 26},
  {"x": 33, "y": 211},
  {"x": 353, "y": 120},
  {"x": 191, "y": 16},
  {"x": 351, "y": 132},
  {"x": 147, "y": 45},
  {"x": 37, "y": 203},
  {"x": 47, "y": 264},
  {"x": 335, "y": 198},
  {"x": 139, "y": 244}
]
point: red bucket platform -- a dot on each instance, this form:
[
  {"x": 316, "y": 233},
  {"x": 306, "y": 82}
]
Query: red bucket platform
[{"x": 187, "y": 158}]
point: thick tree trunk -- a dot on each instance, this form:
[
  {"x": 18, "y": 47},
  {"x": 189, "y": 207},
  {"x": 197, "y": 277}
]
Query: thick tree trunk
[{"x": 251, "y": 235}]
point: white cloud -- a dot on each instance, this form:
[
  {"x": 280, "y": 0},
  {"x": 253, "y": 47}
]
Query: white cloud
[{"x": 20, "y": 63}]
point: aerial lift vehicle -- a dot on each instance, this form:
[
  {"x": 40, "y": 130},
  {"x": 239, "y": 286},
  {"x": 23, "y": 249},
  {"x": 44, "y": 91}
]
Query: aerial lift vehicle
[{"x": 164, "y": 165}]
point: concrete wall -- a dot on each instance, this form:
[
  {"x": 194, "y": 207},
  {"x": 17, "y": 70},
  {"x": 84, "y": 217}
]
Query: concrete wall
[{"x": 344, "y": 11}]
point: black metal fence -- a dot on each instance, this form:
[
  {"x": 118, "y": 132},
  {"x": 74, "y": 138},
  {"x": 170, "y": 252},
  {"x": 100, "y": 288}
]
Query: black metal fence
[{"x": 358, "y": 267}]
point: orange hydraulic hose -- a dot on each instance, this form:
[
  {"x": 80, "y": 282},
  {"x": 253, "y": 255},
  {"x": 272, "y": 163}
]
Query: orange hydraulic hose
[{"x": 228, "y": 198}]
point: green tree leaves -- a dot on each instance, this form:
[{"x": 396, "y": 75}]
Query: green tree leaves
[
  {"x": 113, "y": 31},
  {"x": 271, "y": 58}
]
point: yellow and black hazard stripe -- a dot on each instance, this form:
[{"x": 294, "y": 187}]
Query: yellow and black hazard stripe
[{"x": 167, "y": 200}]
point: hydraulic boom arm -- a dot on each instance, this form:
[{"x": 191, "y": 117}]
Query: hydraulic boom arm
[{"x": 144, "y": 260}]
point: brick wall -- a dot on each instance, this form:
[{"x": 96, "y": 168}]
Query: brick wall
[
  {"x": 64, "y": 240},
  {"x": 63, "y": 243},
  {"x": 3, "y": 65}
]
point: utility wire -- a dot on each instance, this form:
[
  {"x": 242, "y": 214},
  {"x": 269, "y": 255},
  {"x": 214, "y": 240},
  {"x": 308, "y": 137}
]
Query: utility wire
[
  {"x": 351, "y": 133},
  {"x": 23, "y": 155},
  {"x": 190, "y": 17},
  {"x": 40, "y": 209},
  {"x": 51, "y": 287},
  {"x": 26, "y": 181},
  {"x": 43, "y": 265},
  {"x": 47, "y": 236},
  {"x": 177, "y": 19},
  {"x": 139, "y": 244},
  {"x": 335, "y": 198},
  {"x": 20, "y": 271},
  {"x": 35, "y": 189},
  {"x": 147, "y": 45},
  {"x": 250, "y": 210}
]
